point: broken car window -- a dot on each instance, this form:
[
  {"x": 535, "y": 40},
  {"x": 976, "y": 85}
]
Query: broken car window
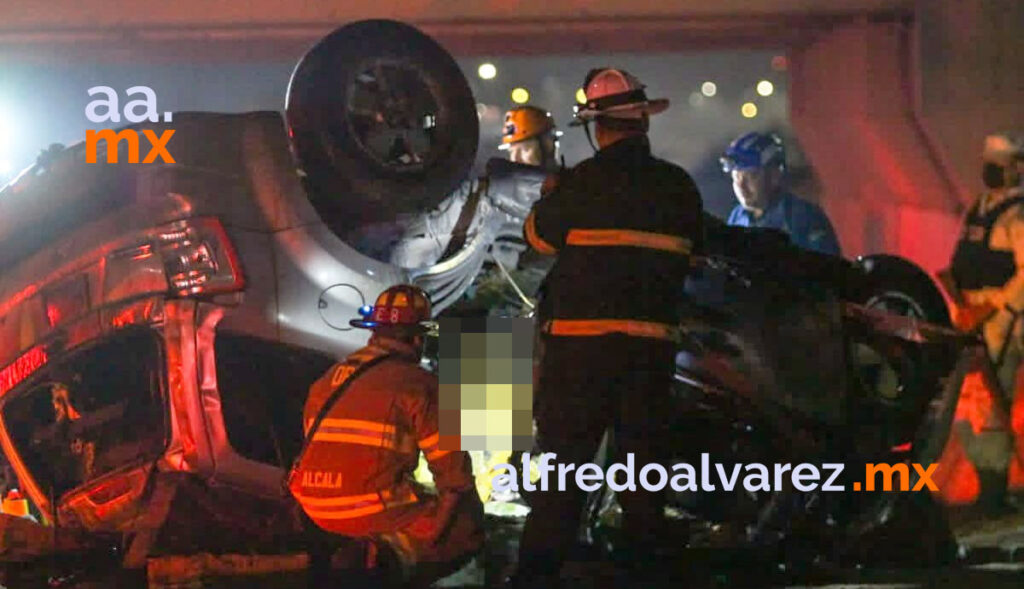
[{"x": 91, "y": 412}]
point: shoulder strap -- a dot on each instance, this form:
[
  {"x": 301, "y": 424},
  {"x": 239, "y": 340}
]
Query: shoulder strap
[
  {"x": 329, "y": 404},
  {"x": 991, "y": 217},
  {"x": 974, "y": 211}
]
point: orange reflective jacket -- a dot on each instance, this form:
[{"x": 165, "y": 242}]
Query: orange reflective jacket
[{"x": 355, "y": 478}]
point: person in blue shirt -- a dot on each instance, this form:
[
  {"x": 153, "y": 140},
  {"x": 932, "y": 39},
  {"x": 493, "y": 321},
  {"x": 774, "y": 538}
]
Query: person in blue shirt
[{"x": 757, "y": 164}]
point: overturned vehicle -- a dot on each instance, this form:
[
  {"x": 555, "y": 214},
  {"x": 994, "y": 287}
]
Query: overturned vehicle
[
  {"x": 160, "y": 323},
  {"x": 796, "y": 359}
]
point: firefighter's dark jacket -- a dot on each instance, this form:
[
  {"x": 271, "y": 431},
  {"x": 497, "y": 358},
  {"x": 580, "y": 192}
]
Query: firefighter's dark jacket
[{"x": 622, "y": 225}]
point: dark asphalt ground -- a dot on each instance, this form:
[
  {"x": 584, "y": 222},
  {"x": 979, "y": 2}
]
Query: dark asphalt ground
[{"x": 991, "y": 556}]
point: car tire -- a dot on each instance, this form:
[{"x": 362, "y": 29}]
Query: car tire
[
  {"x": 382, "y": 122},
  {"x": 897, "y": 285}
]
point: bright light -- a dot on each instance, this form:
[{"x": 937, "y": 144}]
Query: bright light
[
  {"x": 520, "y": 96},
  {"x": 749, "y": 110},
  {"x": 708, "y": 89},
  {"x": 581, "y": 96},
  {"x": 6, "y": 168},
  {"x": 765, "y": 88},
  {"x": 487, "y": 71}
]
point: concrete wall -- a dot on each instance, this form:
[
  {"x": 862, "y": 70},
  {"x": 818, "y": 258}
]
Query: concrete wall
[
  {"x": 971, "y": 78},
  {"x": 851, "y": 104},
  {"x": 99, "y": 15},
  {"x": 892, "y": 114},
  {"x": 265, "y": 30}
]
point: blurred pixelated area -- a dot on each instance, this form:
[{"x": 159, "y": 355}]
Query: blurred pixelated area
[{"x": 485, "y": 368}]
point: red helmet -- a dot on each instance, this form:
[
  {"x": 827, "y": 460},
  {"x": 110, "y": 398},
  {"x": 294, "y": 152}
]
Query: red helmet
[
  {"x": 400, "y": 305},
  {"x": 618, "y": 94}
]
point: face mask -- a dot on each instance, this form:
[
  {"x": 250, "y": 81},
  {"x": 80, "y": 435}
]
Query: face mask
[{"x": 992, "y": 175}]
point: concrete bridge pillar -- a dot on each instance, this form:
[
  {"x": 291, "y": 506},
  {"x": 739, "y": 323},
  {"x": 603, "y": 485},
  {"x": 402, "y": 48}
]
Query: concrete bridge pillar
[{"x": 892, "y": 112}]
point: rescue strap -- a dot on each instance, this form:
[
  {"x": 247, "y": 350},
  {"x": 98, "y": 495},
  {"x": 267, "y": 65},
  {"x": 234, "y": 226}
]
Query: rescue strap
[
  {"x": 461, "y": 229},
  {"x": 354, "y": 369},
  {"x": 353, "y": 506},
  {"x": 508, "y": 277},
  {"x": 629, "y": 237},
  {"x": 594, "y": 327},
  {"x": 990, "y": 217}
]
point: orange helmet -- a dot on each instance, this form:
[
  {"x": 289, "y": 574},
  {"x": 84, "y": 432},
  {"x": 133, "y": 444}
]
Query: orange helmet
[
  {"x": 618, "y": 94},
  {"x": 400, "y": 305},
  {"x": 524, "y": 122}
]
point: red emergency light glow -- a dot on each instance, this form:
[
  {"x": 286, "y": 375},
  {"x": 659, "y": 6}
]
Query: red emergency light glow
[
  {"x": 66, "y": 301},
  {"x": 134, "y": 314},
  {"x": 903, "y": 447},
  {"x": 17, "y": 299},
  {"x": 26, "y": 364},
  {"x": 53, "y": 314}
]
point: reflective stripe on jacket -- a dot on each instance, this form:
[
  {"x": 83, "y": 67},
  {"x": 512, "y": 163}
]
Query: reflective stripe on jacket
[
  {"x": 622, "y": 225},
  {"x": 354, "y": 506}
]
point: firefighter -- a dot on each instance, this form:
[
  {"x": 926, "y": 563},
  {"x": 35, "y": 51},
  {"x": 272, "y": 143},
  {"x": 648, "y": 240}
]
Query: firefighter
[
  {"x": 355, "y": 478},
  {"x": 987, "y": 273},
  {"x": 757, "y": 164},
  {"x": 621, "y": 226},
  {"x": 530, "y": 137}
]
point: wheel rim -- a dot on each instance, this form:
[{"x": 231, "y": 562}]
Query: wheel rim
[
  {"x": 393, "y": 111},
  {"x": 897, "y": 303}
]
